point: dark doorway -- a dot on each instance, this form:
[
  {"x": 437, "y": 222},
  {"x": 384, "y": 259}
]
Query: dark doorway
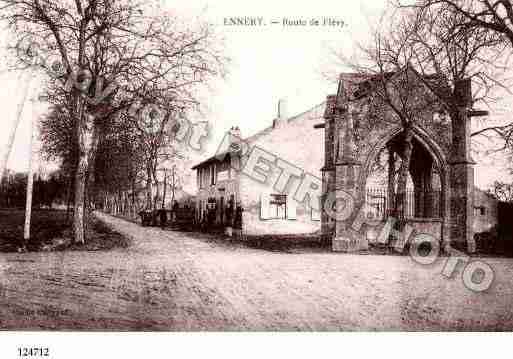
[{"x": 505, "y": 214}]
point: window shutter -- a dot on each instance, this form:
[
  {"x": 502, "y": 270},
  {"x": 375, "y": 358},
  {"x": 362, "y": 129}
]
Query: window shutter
[
  {"x": 264, "y": 206},
  {"x": 291, "y": 208},
  {"x": 316, "y": 215}
]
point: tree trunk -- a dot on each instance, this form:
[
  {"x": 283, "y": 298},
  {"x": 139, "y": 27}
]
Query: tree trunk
[
  {"x": 68, "y": 197},
  {"x": 391, "y": 183},
  {"x": 127, "y": 203},
  {"x": 95, "y": 140},
  {"x": 157, "y": 190},
  {"x": 165, "y": 189},
  {"x": 149, "y": 190},
  {"x": 121, "y": 202},
  {"x": 84, "y": 138},
  {"x": 174, "y": 186},
  {"x": 133, "y": 197}
]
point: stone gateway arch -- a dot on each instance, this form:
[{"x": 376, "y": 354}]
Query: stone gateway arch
[{"x": 441, "y": 173}]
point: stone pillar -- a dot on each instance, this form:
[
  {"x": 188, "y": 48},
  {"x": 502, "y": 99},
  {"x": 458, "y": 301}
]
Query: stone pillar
[
  {"x": 327, "y": 222},
  {"x": 428, "y": 192},
  {"x": 418, "y": 197},
  {"x": 328, "y": 170},
  {"x": 237, "y": 149},
  {"x": 348, "y": 193},
  {"x": 422, "y": 189},
  {"x": 462, "y": 170}
]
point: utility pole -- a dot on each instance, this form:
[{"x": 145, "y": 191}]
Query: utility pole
[
  {"x": 173, "y": 184},
  {"x": 30, "y": 179},
  {"x": 16, "y": 122}
]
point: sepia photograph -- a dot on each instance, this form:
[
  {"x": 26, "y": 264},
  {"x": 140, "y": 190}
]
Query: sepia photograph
[{"x": 255, "y": 167}]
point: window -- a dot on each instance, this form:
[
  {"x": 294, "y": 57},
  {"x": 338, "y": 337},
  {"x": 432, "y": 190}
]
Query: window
[
  {"x": 211, "y": 203},
  {"x": 213, "y": 175},
  {"x": 316, "y": 215},
  {"x": 223, "y": 171},
  {"x": 479, "y": 211},
  {"x": 202, "y": 177},
  {"x": 278, "y": 206}
]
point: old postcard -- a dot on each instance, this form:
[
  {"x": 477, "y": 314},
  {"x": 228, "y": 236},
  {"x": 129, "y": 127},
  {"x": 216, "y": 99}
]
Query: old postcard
[{"x": 275, "y": 166}]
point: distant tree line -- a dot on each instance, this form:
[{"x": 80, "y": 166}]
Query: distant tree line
[{"x": 48, "y": 191}]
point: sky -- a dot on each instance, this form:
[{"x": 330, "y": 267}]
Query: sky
[{"x": 267, "y": 63}]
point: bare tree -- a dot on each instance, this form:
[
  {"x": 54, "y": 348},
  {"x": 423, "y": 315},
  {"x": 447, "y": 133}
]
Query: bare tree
[
  {"x": 502, "y": 191},
  {"x": 413, "y": 67},
  {"x": 395, "y": 94},
  {"x": 451, "y": 53},
  {"x": 496, "y": 15},
  {"x": 472, "y": 39},
  {"x": 113, "y": 54}
]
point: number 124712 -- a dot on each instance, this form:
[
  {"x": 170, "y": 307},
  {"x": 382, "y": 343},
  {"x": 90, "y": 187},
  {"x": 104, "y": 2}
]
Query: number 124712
[{"x": 33, "y": 352}]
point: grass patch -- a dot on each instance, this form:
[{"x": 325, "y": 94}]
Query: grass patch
[{"x": 51, "y": 232}]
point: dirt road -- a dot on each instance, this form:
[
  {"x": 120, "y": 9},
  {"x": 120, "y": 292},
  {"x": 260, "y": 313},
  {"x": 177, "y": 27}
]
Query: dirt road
[{"x": 172, "y": 281}]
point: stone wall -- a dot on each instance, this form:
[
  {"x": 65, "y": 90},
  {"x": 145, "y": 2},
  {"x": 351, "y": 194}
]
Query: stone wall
[
  {"x": 485, "y": 211},
  {"x": 372, "y": 128},
  {"x": 433, "y": 227}
]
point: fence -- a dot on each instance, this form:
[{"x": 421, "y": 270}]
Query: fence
[{"x": 417, "y": 205}]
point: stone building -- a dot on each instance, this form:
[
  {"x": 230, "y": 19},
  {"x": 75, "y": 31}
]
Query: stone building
[
  {"x": 443, "y": 201},
  {"x": 292, "y": 179},
  {"x": 486, "y": 208},
  {"x": 243, "y": 184}
]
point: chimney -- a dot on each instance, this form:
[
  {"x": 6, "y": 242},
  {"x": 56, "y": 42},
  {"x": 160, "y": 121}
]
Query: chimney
[
  {"x": 282, "y": 117},
  {"x": 235, "y": 138},
  {"x": 235, "y": 133}
]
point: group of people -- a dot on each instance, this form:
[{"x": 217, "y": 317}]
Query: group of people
[
  {"x": 163, "y": 216},
  {"x": 186, "y": 216},
  {"x": 232, "y": 217}
]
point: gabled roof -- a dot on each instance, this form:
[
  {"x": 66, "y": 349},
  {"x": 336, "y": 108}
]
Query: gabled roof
[
  {"x": 215, "y": 158},
  {"x": 254, "y": 137},
  {"x": 362, "y": 83},
  {"x": 270, "y": 128}
]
